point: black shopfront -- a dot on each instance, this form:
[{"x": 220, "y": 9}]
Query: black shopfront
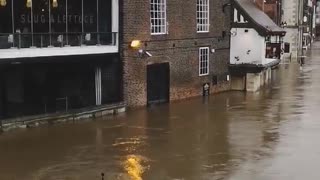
[
  {"x": 58, "y": 84},
  {"x": 44, "y": 71}
]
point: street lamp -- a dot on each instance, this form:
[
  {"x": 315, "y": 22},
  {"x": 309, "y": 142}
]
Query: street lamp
[
  {"x": 29, "y": 3},
  {"x": 55, "y": 3},
  {"x": 305, "y": 19},
  {"x": 135, "y": 44},
  {"x": 284, "y": 24},
  {"x": 3, "y": 3}
]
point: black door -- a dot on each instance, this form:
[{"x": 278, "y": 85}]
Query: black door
[{"x": 158, "y": 80}]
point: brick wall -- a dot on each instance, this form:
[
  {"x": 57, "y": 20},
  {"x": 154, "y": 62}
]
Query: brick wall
[
  {"x": 270, "y": 7},
  {"x": 179, "y": 47}
]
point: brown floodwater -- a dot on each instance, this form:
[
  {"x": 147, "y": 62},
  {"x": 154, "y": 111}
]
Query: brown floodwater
[{"x": 268, "y": 135}]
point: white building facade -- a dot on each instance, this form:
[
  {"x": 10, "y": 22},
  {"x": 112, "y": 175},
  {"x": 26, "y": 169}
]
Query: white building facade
[
  {"x": 292, "y": 16},
  {"x": 299, "y": 21},
  {"x": 256, "y": 46}
]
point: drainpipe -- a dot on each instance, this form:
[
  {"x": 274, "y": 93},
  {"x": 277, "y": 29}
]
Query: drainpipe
[
  {"x": 300, "y": 50},
  {"x": 2, "y": 99},
  {"x": 279, "y": 13}
]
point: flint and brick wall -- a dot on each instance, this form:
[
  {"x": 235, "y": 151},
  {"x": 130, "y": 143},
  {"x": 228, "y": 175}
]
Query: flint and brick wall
[{"x": 180, "y": 47}]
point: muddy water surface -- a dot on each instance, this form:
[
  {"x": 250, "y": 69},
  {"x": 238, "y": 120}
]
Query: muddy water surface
[{"x": 272, "y": 134}]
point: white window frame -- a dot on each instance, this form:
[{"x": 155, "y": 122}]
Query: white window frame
[
  {"x": 204, "y": 61},
  {"x": 158, "y": 16},
  {"x": 203, "y": 16}
]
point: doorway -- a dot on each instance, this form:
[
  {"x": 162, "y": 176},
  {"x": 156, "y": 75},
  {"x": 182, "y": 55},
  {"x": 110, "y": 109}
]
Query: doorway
[{"x": 158, "y": 83}]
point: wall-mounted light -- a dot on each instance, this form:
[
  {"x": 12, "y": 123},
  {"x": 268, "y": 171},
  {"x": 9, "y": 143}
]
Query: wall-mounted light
[
  {"x": 29, "y": 3},
  {"x": 87, "y": 37},
  {"x": 135, "y": 44},
  {"x": 55, "y": 3},
  {"x": 143, "y": 53},
  {"x": 225, "y": 5},
  {"x": 283, "y": 24},
  {"x": 60, "y": 38},
  {"x": 10, "y": 38},
  {"x": 3, "y": 3}
]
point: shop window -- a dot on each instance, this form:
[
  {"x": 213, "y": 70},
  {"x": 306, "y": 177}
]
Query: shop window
[
  {"x": 273, "y": 50},
  {"x": 43, "y": 23},
  {"x": 5, "y": 25}
]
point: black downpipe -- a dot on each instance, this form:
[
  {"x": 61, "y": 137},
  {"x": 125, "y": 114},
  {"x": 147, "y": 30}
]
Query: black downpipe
[{"x": 120, "y": 55}]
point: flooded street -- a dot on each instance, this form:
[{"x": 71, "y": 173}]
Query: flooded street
[{"x": 272, "y": 134}]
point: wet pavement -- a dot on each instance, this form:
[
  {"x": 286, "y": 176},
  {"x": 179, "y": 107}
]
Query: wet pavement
[{"x": 272, "y": 134}]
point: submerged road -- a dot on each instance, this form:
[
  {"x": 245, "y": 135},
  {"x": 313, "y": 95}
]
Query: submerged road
[{"x": 269, "y": 135}]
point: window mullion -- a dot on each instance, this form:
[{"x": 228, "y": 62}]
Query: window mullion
[
  {"x": 202, "y": 15},
  {"x": 158, "y": 16}
]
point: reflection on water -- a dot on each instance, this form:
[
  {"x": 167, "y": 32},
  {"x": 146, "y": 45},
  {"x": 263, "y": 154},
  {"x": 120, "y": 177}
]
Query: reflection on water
[
  {"x": 133, "y": 167},
  {"x": 271, "y": 134}
]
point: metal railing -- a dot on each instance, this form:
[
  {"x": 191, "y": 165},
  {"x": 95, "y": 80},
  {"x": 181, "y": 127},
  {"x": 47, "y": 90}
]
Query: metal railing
[{"x": 63, "y": 39}]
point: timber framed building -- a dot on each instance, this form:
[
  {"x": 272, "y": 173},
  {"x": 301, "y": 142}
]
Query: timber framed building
[{"x": 256, "y": 46}]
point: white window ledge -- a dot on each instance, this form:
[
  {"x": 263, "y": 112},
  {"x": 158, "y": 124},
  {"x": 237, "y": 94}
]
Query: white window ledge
[
  {"x": 269, "y": 60},
  {"x": 56, "y": 51}
]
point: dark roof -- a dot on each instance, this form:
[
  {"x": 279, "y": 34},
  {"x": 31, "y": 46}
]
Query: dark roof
[{"x": 263, "y": 23}]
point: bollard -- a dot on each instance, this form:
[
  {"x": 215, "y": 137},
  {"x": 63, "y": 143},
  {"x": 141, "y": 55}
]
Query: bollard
[
  {"x": 102, "y": 176},
  {"x": 1, "y": 128},
  {"x": 302, "y": 61}
]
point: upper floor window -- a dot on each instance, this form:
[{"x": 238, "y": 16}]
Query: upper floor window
[
  {"x": 58, "y": 23},
  {"x": 203, "y": 61},
  {"x": 158, "y": 17},
  {"x": 202, "y": 15}
]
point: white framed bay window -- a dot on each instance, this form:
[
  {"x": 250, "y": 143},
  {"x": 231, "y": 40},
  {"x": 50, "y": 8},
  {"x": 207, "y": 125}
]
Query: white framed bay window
[
  {"x": 158, "y": 17},
  {"x": 204, "y": 56},
  {"x": 203, "y": 16}
]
